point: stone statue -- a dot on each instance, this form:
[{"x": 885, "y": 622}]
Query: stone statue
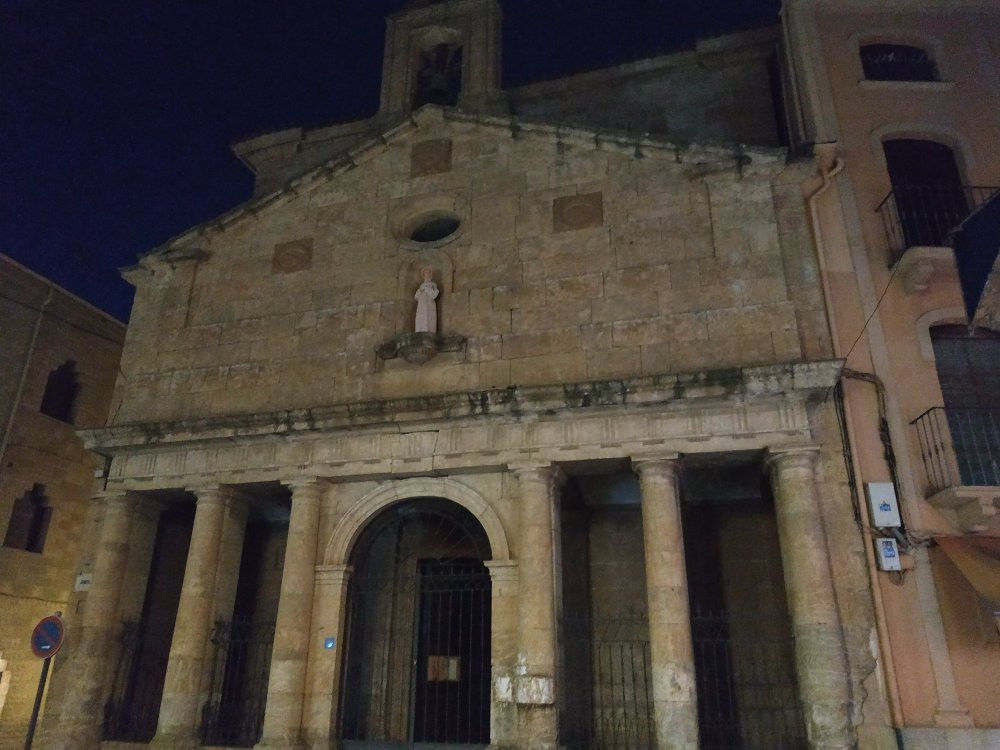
[{"x": 426, "y": 318}]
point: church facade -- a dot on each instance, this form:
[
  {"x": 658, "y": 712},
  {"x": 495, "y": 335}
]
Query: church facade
[{"x": 500, "y": 418}]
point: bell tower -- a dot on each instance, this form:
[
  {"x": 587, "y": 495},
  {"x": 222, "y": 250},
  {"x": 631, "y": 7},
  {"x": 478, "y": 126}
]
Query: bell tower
[{"x": 441, "y": 52}]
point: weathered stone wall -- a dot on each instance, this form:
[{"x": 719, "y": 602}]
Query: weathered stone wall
[
  {"x": 45, "y": 451},
  {"x": 719, "y": 91},
  {"x": 575, "y": 260}
]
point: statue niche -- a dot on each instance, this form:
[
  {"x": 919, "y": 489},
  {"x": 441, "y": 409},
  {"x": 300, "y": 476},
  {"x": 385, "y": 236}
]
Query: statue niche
[{"x": 423, "y": 342}]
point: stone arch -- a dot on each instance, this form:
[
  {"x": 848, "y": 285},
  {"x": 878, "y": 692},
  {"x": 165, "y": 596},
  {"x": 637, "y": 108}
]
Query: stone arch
[
  {"x": 342, "y": 540},
  {"x": 932, "y": 318},
  {"x": 958, "y": 142}
]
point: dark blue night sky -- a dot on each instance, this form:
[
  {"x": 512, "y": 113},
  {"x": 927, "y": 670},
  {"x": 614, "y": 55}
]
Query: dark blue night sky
[{"x": 116, "y": 116}]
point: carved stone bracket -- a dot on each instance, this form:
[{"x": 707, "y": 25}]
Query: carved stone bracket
[
  {"x": 975, "y": 507},
  {"x": 417, "y": 348}
]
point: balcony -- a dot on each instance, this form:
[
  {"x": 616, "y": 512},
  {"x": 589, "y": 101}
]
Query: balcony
[
  {"x": 923, "y": 215},
  {"x": 960, "y": 448}
]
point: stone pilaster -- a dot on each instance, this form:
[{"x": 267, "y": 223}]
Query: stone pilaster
[
  {"x": 675, "y": 707},
  {"x": 287, "y": 681},
  {"x": 180, "y": 708},
  {"x": 329, "y": 611},
  {"x": 503, "y": 648},
  {"x": 535, "y": 672},
  {"x": 820, "y": 657},
  {"x": 81, "y": 709}
]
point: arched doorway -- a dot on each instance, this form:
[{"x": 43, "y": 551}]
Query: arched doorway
[{"x": 417, "y": 659}]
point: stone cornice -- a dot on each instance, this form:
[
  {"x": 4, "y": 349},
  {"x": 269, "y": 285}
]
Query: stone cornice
[{"x": 524, "y": 403}]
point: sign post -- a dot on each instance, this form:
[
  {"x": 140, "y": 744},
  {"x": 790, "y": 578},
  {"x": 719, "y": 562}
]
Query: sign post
[{"x": 46, "y": 640}]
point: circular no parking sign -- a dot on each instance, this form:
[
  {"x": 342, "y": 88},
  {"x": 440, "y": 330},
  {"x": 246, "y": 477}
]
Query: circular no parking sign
[{"x": 47, "y": 637}]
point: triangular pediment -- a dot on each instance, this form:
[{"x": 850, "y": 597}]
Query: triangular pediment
[{"x": 433, "y": 122}]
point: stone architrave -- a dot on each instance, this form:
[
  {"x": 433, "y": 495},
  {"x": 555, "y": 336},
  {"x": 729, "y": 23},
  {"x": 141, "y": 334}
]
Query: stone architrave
[
  {"x": 675, "y": 706},
  {"x": 820, "y": 655},
  {"x": 286, "y": 685},
  {"x": 534, "y": 688},
  {"x": 79, "y": 723},
  {"x": 180, "y": 707}
]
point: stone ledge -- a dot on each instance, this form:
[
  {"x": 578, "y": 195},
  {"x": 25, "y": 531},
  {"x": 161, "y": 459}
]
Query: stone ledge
[
  {"x": 811, "y": 379},
  {"x": 975, "y": 508}
]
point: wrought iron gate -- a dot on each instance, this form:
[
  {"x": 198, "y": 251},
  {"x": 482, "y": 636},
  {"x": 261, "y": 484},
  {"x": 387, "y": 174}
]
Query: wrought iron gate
[
  {"x": 747, "y": 693},
  {"x": 416, "y": 670},
  {"x": 132, "y": 710},
  {"x": 608, "y": 658},
  {"x": 241, "y": 660}
]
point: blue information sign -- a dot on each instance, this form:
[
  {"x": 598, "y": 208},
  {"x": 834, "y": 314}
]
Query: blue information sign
[{"x": 47, "y": 637}]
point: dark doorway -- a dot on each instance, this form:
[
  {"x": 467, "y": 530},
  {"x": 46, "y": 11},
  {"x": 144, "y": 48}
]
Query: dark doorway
[
  {"x": 740, "y": 627},
  {"x": 417, "y": 663},
  {"x": 133, "y": 708},
  {"x": 927, "y": 187}
]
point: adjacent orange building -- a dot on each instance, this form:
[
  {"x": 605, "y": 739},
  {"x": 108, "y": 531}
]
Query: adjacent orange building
[{"x": 902, "y": 110}]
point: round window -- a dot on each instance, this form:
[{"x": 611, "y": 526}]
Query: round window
[
  {"x": 429, "y": 230},
  {"x": 435, "y": 229}
]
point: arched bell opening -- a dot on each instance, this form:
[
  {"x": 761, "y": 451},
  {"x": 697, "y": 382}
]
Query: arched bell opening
[{"x": 417, "y": 662}]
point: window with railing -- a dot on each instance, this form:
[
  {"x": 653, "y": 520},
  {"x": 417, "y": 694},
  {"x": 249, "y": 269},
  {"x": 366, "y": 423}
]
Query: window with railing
[
  {"x": 897, "y": 62},
  {"x": 960, "y": 441}
]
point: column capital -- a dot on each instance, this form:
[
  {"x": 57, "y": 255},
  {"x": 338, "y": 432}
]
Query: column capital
[
  {"x": 331, "y": 575},
  {"x": 537, "y": 471},
  {"x": 211, "y": 494},
  {"x": 791, "y": 457},
  {"x": 657, "y": 466},
  {"x": 300, "y": 484},
  {"x": 502, "y": 570}
]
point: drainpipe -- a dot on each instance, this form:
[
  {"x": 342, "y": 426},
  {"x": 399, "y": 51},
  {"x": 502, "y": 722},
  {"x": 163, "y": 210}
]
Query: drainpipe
[
  {"x": 9, "y": 428},
  {"x": 830, "y": 165}
]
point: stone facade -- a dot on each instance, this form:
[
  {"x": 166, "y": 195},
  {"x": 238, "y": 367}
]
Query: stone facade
[
  {"x": 46, "y": 475},
  {"x": 632, "y": 351}
]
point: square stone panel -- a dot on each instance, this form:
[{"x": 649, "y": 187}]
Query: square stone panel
[
  {"x": 430, "y": 157},
  {"x": 577, "y": 212},
  {"x": 293, "y": 256}
]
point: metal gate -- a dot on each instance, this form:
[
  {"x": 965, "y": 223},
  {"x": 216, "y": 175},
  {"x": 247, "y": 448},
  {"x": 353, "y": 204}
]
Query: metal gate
[
  {"x": 417, "y": 660},
  {"x": 132, "y": 710},
  {"x": 241, "y": 661},
  {"x": 607, "y": 667},
  {"x": 747, "y": 693}
]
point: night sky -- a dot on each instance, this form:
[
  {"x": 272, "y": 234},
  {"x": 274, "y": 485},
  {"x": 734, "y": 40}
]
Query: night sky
[{"x": 116, "y": 116}]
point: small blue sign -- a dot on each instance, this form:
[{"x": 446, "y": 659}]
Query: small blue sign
[
  {"x": 47, "y": 637},
  {"x": 329, "y": 642}
]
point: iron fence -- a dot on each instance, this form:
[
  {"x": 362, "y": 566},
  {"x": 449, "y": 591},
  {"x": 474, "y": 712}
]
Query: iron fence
[
  {"x": 233, "y": 716},
  {"x": 132, "y": 710},
  {"x": 897, "y": 62},
  {"x": 609, "y": 660},
  {"x": 959, "y": 446},
  {"x": 747, "y": 693},
  {"x": 925, "y": 214}
]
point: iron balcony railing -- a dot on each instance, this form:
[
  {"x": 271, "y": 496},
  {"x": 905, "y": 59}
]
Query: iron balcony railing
[
  {"x": 959, "y": 446},
  {"x": 925, "y": 214}
]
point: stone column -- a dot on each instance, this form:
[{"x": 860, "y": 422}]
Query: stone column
[
  {"x": 503, "y": 651},
  {"x": 81, "y": 709},
  {"x": 534, "y": 683},
  {"x": 675, "y": 706},
  {"x": 820, "y": 658},
  {"x": 287, "y": 682},
  {"x": 329, "y": 612},
  {"x": 180, "y": 707}
]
